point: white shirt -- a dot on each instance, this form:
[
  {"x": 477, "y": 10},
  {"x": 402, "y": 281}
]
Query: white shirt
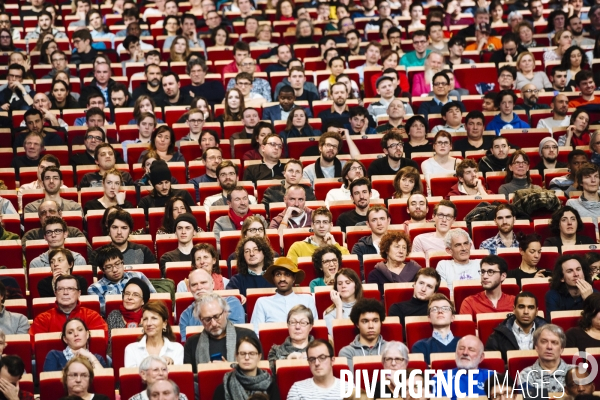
[
  {"x": 451, "y": 271},
  {"x": 275, "y": 308},
  {"x": 549, "y": 123},
  {"x": 136, "y": 352},
  {"x": 308, "y": 390},
  {"x": 30, "y": 186},
  {"x": 344, "y": 194}
]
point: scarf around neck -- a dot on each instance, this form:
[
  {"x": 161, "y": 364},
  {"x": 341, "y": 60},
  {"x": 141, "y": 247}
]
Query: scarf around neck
[
  {"x": 132, "y": 318},
  {"x": 239, "y": 386},
  {"x": 337, "y": 168},
  {"x": 217, "y": 281},
  {"x": 237, "y": 220},
  {"x": 203, "y": 352}
]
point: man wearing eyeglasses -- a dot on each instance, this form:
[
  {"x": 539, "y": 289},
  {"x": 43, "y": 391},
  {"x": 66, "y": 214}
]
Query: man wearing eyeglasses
[
  {"x": 444, "y": 215},
  {"x": 51, "y": 182},
  {"x": 16, "y": 96},
  {"x": 227, "y": 176},
  {"x": 441, "y": 90},
  {"x": 153, "y": 369},
  {"x": 271, "y": 166},
  {"x": 200, "y": 283},
  {"x": 216, "y": 342},
  {"x": 94, "y": 136},
  {"x": 67, "y": 307},
  {"x": 195, "y": 121},
  {"x": 459, "y": 245},
  {"x": 284, "y": 275},
  {"x": 259, "y": 86},
  {"x": 321, "y": 224},
  {"x": 59, "y": 64},
  {"x": 530, "y": 95},
  {"x": 323, "y": 384},
  {"x": 5, "y": 23},
  {"x": 440, "y": 312},
  {"x": 416, "y": 58},
  {"x": 367, "y": 315},
  {"x": 211, "y": 90},
  {"x": 492, "y": 299},
  {"x": 328, "y": 165},
  {"x": 548, "y": 150},
  {"x": 212, "y": 157},
  {"x": 55, "y": 233},
  {"x": 111, "y": 260}
]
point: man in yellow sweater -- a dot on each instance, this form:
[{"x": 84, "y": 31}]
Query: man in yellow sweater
[{"x": 321, "y": 225}]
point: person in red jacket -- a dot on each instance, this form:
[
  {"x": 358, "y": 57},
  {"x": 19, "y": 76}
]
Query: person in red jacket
[
  {"x": 67, "y": 306},
  {"x": 469, "y": 183}
]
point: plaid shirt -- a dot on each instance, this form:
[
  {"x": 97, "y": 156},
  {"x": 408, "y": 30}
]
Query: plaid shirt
[
  {"x": 494, "y": 243},
  {"x": 104, "y": 286}
]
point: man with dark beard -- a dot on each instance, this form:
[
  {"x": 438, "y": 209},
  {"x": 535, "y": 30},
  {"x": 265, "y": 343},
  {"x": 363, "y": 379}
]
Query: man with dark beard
[
  {"x": 328, "y": 165},
  {"x": 360, "y": 190},
  {"x": 468, "y": 182},
  {"x": 505, "y": 238},
  {"x": 530, "y": 98},
  {"x": 227, "y": 176},
  {"x": 560, "y": 108},
  {"x": 152, "y": 87},
  {"x": 549, "y": 153},
  {"x": 417, "y": 208},
  {"x": 171, "y": 87},
  {"x": 575, "y": 25}
]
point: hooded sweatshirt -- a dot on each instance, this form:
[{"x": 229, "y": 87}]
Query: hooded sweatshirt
[
  {"x": 586, "y": 208},
  {"x": 356, "y": 348},
  {"x": 497, "y": 123},
  {"x": 491, "y": 163}
]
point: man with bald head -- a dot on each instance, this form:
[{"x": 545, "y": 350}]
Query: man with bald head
[
  {"x": 200, "y": 283},
  {"x": 50, "y": 208},
  {"x": 579, "y": 382},
  {"x": 531, "y": 95},
  {"x": 560, "y": 108},
  {"x": 42, "y": 103},
  {"x": 468, "y": 356}
]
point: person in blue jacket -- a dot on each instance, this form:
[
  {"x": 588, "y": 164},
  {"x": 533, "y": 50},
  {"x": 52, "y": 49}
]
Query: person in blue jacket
[
  {"x": 505, "y": 101},
  {"x": 76, "y": 337},
  {"x": 468, "y": 355}
]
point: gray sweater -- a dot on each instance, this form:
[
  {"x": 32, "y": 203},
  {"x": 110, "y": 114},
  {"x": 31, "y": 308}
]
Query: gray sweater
[
  {"x": 515, "y": 185},
  {"x": 358, "y": 349},
  {"x": 13, "y": 323},
  {"x": 43, "y": 261},
  {"x": 586, "y": 208}
]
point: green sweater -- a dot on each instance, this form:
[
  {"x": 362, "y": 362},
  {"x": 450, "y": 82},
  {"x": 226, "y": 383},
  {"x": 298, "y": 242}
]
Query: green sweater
[{"x": 6, "y": 235}]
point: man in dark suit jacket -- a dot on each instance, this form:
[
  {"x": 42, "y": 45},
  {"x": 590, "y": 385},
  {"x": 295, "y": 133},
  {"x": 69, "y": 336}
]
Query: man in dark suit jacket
[
  {"x": 441, "y": 90},
  {"x": 286, "y": 104}
]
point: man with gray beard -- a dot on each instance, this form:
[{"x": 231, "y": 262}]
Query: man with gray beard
[{"x": 468, "y": 355}]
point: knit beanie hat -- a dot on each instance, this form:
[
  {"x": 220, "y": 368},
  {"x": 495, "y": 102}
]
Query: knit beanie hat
[
  {"x": 159, "y": 171},
  {"x": 187, "y": 217},
  {"x": 544, "y": 141},
  {"x": 142, "y": 285}
]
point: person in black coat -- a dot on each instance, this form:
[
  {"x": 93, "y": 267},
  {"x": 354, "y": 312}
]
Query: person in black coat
[
  {"x": 566, "y": 232},
  {"x": 61, "y": 263},
  {"x": 525, "y": 316}
]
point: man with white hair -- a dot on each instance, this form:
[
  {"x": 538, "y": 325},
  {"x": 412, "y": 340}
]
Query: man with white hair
[
  {"x": 200, "y": 282},
  {"x": 153, "y": 369},
  {"x": 458, "y": 244},
  {"x": 549, "y": 371},
  {"x": 469, "y": 354}
]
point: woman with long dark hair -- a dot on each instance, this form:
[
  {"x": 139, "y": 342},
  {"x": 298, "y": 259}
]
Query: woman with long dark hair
[
  {"x": 517, "y": 174},
  {"x": 530, "y": 247},
  {"x": 60, "y": 96},
  {"x": 587, "y": 333},
  {"x": 297, "y": 126},
  {"x": 566, "y": 226},
  {"x": 175, "y": 207},
  {"x": 577, "y": 133},
  {"x": 6, "y": 41},
  {"x": 574, "y": 60},
  {"x": 234, "y": 105},
  {"x": 347, "y": 289},
  {"x": 163, "y": 142}
]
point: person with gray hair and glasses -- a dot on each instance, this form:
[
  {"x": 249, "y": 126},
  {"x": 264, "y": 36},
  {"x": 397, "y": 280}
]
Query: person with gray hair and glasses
[
  {"x": 154, "y": 369},
  {"x": 394, "y": 357},
  {"x": 549, "y": 371}
]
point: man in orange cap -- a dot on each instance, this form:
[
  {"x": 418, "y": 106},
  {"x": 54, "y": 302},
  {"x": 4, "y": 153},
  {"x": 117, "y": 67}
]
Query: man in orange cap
[{"x": 283, "y": 274}]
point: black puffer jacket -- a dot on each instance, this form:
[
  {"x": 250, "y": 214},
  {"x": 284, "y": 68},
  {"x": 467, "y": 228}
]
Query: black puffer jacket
[{"x": 503, "y": 339}]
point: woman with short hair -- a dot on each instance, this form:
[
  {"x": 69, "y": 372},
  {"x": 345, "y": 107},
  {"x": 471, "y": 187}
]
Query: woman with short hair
[
  {"x": 78, "y": 377},
  {"x": 300, "y": 321}
]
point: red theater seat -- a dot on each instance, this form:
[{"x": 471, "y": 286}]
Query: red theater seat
[
  {"x": 444, "y": 361},
  {"x": 292, "y": 371},
  {"x": 399, "y": 292},
  {"x": 252, "y": 295},
  {"x": 418, "y": 328},
  {"x": 539, "y": 287},
  {"x": 483, "y": 230},
  {"x": 513, "y": 257},
  {"x": 51, "y": 386}
]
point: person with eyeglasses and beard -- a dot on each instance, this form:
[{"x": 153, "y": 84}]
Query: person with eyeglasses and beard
[
  {"x": 548, "y": 150},
  {"x": 530, "y": 99}
]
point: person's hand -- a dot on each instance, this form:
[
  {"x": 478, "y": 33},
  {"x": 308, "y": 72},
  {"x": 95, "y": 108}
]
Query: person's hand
[
  {"x": 85, "y": 353},
  {"x": 570, "y": 133},
  {"x": 290, "y": 210},
  {"x": 329, "y": 239},
  {"x": 121, "y": 198},
  {"x": 483, "y": 42},
  {"x": 49, "y": 116},
  {"x": 169, "y": 360},
  {"x": 5, "y": 106},
  {"x": 540, "y": 274},
  {"x": 509, "y": 58},
  {"x": 243, "y": 299},
  {"x": 584, "y": 288},
  {"x": 336, "y": 299},
  {"x": 10, "y": 391}
]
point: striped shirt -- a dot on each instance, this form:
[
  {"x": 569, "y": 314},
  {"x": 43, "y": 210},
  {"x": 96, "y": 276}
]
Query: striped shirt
[{"x": 308, "y": 390}]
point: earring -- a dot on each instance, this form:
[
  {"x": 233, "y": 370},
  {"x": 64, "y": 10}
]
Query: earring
[
  {"x": 143, "y": 331},
  {"x": 164, "y": 329}
]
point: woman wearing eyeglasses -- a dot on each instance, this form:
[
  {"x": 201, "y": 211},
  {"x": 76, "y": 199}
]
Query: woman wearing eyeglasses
[
  {"x": 327, "y": 261},
  {"x": 441, "y": 162},
  {"x": 247, "y": 378},
  {"x": 347, "y": 289},
  {"x": 61, "y": 263},
  {"x": 77, "y": 379},
  {"x": 517, "y": 174},
  {"x": 205, "y": 256},
  {"x": 158, "y": 338},
  {"x": 300, "y": 322},
  {"x": 394, "y": 247},
  {"x": 76, "y": 337},
  {"x": 129, "y": 314},
  {"x": 394, "y": 357}
]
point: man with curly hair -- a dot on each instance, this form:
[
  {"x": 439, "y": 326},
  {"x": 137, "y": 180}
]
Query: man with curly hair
[{"x": 254, "y": 255}]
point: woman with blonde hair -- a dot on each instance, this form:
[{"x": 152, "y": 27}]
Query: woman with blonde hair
[
  {"x": 406, "y": 182},
  {"x": 113, "y": 196},
  {"x": 305, "y": 32},
  {"x": 180, "y": 49},
  {"x": 562, "y": 40},
  {"x": 441, "y": 162},
  {"x": 264, "y": 35},
  {"x": 526, "y": 74}
]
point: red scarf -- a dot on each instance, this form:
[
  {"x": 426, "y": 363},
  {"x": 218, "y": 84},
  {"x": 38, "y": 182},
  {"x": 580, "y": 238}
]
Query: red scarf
[
  {"x": 218, "y": 281},
  {"x": 237, "y": 220},
  {"x": 132, "y": 318}
]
